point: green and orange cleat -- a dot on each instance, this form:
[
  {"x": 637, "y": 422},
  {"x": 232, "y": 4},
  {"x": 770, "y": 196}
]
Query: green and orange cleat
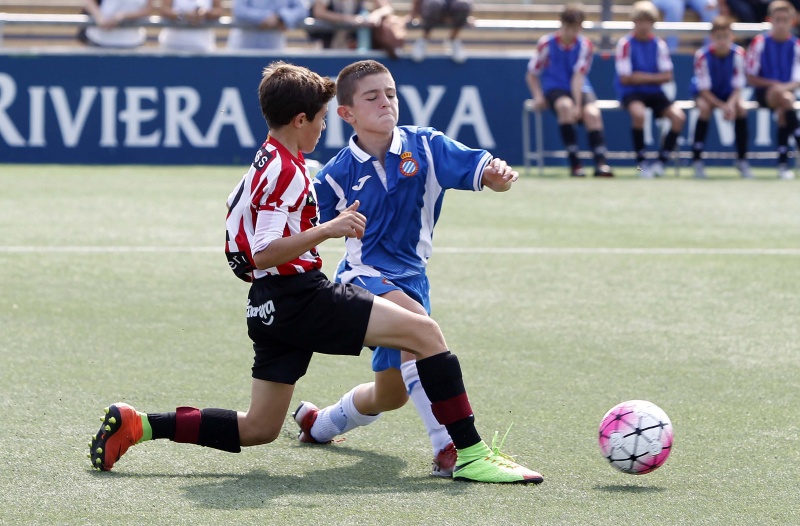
[{"x": 121, "y": 428}]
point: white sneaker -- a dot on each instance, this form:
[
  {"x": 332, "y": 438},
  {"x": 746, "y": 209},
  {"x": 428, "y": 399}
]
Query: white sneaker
[
  {"x": 418, "y": 51},
  {"x": 699, "y": 170},
  {"x": 455, "y": 49},
  {"x": 744, "y": 169},
  {"x": 657, "y": 167},
  {"x": 785, "y": 173},
  {"x": 645, "y": 171}
]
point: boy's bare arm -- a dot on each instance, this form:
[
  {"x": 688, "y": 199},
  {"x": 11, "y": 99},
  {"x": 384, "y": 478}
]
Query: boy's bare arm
[
  {"x": 349, "y": 223},
  {"x": 640, "y": 77}
]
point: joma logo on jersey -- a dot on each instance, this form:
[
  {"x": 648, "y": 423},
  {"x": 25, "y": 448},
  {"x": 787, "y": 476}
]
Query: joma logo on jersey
[
  {"x": 263, "y": 311},
  {"x": 408, "y": 165}
]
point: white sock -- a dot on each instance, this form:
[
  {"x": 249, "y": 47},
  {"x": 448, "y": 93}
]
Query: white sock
[
  {"x": 339, "y": 418},
  {"x": 436, "y": 431}
]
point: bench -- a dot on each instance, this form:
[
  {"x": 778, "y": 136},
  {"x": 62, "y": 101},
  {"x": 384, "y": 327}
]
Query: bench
[{"x": 539, "y": 154}]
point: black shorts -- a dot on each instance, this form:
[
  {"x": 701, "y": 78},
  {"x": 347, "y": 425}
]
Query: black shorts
[
  {"x": 658, "y": 102},
  {"x": 291, "y": 317},
  {"x": 554, "y": 94}
]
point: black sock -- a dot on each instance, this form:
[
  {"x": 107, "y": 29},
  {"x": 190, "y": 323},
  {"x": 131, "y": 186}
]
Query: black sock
[
  {"x": 669, "y": 145},
  {"x": 791, "y": 122},
  {"x": 440, "y": 377},
  {"x": 597, "y": 142},
  {"x": 638, "y": 144},
  {"x": 570, "y": 139},
  {"x": 163, "y": 425},
  {"x": 214, "y": 428},
  {"x": 700, "y": 132},
  {"x": 783, "y": 145},
  {"x": 740, "y": 127}
]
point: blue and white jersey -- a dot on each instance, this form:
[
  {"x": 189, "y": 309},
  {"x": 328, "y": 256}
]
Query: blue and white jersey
[
  {"x": 648, "y": 56},
  {"x": 401, "y": 200},
  {"x": 720, "y": 75},
  {"x": 772, "y": 59},
  {"x": 555, "y": 62}
]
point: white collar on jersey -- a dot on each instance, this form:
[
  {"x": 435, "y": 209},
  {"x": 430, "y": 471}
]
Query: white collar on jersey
[{"x": 362, "y": 156}]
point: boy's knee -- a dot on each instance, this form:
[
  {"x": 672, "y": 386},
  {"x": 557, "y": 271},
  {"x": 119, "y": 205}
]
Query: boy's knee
[{"x": 257, "y": 434}]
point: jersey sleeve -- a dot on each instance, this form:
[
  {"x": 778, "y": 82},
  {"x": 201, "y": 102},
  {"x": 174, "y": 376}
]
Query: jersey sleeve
[
  {"x": 540, "y": 56},
  {"x": 622, "y": 58},
  {"x": 585, "y": 57},
  {"x": 273, "y": 203},
  {"x": 739, "y": 81},
  {"x": 664, "y": 58},
  {"x": 701, "y": 74},
  {"x": 796, "y": 63},
  {"x": 455, "y": 165},
  {"x": 754, "y": 51}
]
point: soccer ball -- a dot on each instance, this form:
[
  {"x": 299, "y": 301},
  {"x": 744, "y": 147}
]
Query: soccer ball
[{"x": 635, "y": 437}]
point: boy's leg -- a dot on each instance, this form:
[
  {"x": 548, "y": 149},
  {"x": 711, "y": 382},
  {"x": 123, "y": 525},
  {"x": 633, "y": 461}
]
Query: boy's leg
[
  {"x": 221, "y": 429},
  {"x": 440, "y": 376},
  {"x": 701, "y": 128},
  {"x": 636, "y": 110},
  {"x": 742, "y": 138},
  {"x": 593, "y": 120},
  {"x": 677, "y": 119},
  {"x": 564, "y": 108}
]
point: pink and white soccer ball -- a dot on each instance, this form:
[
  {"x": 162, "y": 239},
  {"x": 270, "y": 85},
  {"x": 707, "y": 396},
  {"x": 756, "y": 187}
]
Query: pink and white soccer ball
[{"x": 636, "y": 437}]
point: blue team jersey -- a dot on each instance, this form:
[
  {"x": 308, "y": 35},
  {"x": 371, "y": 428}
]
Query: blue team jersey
[
  {"x": 772, "y": 59},
  {"x": 720, "y": 75},
  {"x": 401, "y": 200},
  {"x": 648, "y": 56},
  {"x": 555, "y": 62}
]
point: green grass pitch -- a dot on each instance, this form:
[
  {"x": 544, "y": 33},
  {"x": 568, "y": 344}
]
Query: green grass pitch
[{"x": 561, "y": 298}]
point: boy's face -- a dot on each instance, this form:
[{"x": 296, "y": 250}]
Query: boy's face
[
  {"x": 782, "y": 22},
  {"x": 642, "y": 27},
  {"x": 311, "y": 131},
  {"x": 569, "y": 32},
  {"x": 722, "y": 39},
  {"x": 375, "y": 107}
]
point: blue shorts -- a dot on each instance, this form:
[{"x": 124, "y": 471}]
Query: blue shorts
[{"x": 417, "y": 287}]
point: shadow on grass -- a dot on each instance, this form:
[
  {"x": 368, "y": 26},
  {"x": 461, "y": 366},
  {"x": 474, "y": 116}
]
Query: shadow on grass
[
  {"x": 625, "y": 488},
  {"x": 372, "y": 474}
]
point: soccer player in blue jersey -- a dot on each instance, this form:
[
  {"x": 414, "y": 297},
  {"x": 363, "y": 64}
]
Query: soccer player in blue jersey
[
  {"x": 643, "y": 66},
  {"x": 557, "y": 77},
  {"x": 773, "y": 69},
  {"x": 717, "y": 84},
  {"x": 399, "y": 175}
]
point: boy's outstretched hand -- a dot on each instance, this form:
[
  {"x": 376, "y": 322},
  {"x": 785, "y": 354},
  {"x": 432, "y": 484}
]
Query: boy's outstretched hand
[
  {"x": 349, "y": 223},
  {"x": 498, "y": 175}
]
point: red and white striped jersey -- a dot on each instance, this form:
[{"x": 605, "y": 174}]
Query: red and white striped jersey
[{"x": 274, "y": 199}]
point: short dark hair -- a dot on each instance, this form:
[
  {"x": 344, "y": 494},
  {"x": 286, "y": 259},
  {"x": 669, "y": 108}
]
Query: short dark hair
[
  {"x": 721, "y": 23},
  {"x": 287, "y": 90},
  {"x": 350, "y": 75},
  {"x": 572, "y": 15}
]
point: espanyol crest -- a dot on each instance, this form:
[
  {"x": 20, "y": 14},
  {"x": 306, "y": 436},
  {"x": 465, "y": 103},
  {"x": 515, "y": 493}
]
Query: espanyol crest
[{"x": 408, "y": 165}]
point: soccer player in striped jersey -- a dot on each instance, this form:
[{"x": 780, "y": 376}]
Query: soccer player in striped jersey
[
  {"x": 557, "y": 77},
  {"x": 293, "y": 310},
  {"x": 643, "y": 66},
  {"x": 399, "y": 175},
  {"x": 773, "y": 69},
  {"x": 717, "y": 84}
]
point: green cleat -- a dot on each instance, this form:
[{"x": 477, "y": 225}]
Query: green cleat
[{"x": 496, "y": 468}]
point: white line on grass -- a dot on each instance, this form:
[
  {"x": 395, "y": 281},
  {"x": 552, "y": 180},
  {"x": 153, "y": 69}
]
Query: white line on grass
[{"x": 680, "y": 251}]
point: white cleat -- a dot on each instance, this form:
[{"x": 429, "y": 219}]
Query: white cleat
[
  {"x": 785, "y": 173},
  {"x": 744, "y": 169}
]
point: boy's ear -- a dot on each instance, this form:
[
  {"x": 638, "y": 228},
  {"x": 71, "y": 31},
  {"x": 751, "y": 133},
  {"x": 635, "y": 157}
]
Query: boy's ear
[
  {"x": 345, "y": 113},
  {"x": 299, "y": 120}
]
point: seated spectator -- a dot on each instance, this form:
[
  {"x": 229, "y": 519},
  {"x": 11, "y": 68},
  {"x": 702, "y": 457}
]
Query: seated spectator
[
  {"x": 674, "y": 10},
  {"x": 746, "y": 11},
  {"x": 772, "y": 69},
  {"x": 271, "y": 18},
  {"x": 109, "y": 15},
  {"x": 191, "y": 13},
  {"x": 557, "y": 78},
  {"x": 351, "y": 13},
  {"x": 432, "y": 13}
]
